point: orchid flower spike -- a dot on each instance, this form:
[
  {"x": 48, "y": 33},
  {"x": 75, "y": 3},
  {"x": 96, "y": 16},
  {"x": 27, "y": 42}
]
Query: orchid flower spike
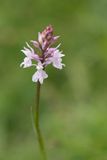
[{"x": 48, "y": 55}]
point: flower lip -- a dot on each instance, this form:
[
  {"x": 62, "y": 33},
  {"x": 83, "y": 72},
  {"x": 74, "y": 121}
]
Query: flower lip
[{"x": 39, "y": 75}]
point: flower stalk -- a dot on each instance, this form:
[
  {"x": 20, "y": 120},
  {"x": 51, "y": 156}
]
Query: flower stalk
[{"x": 37, "y": 126}]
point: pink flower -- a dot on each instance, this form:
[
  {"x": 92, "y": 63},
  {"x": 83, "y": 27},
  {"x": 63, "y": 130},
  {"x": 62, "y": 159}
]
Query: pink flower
[
  {"x": 56, "y": 59},
  {"x": 26, "y": 63},
  {"x": 54, "y": 56},
  {"x": 40, "y": 74},
  {"x": 47, "y": 55},
  {"x": 30, "y": 54}
]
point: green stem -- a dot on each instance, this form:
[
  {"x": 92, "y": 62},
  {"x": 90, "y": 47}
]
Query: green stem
[{"x": 39, "y": 135}]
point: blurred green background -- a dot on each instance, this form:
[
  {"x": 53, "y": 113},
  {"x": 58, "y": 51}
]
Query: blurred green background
[{"x": 74, "y": 100}]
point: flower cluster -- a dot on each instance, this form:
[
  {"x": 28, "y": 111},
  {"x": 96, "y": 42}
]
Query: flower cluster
[{"x": 47, "y": 54}]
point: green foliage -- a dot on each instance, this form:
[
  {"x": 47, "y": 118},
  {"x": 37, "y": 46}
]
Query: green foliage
[{"x": 73, "y": 101}]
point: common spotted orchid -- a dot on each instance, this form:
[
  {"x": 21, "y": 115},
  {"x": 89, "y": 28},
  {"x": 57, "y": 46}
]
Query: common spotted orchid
[{"x": 47, "y": 55}]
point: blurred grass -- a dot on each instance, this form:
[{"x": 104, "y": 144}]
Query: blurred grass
[{"x": 73, "y": 101}]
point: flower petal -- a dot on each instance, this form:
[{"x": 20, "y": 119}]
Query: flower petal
[
  {"x": 40, "y": 75},
  {"x": 26, "y": 63},
  {"x": 57, "y": 63},
  {"x": 30, "y": 53}
]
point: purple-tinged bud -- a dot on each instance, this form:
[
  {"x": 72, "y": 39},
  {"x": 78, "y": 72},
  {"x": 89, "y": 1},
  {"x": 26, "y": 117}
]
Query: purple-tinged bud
[
  {"x": 35, "y": 43},
  {"x": 48, "y": 33},
  {"x": 46, "y": 38}
]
